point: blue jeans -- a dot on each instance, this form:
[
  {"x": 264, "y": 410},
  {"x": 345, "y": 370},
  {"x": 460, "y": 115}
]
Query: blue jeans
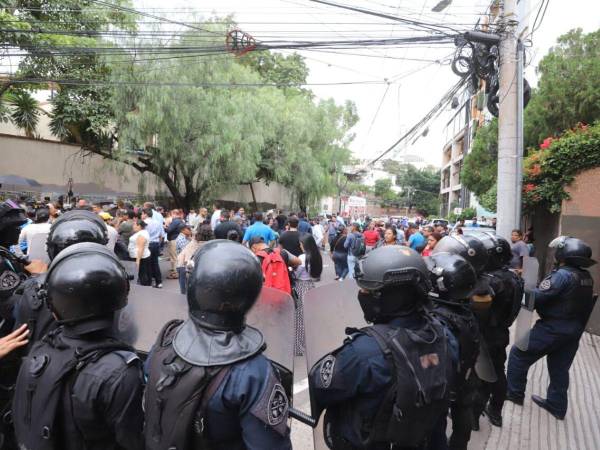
[
  {"x": 181, "y": 272},
  {"x": 340, "y": 261},
  {"x": 352, "y": 260}
]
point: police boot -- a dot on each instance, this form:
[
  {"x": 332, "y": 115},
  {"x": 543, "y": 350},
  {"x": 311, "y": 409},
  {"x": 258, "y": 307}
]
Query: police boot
[
  {"x": 543, "y": 403},
  {"x": 494, "y": 415}
]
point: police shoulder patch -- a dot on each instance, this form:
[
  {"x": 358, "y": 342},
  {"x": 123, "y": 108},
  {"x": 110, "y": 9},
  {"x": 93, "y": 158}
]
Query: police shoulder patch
[
  {"x": 545, "y": 284},
  {"x": 278, "y": 405},
  {"x": 326, "y": 370}
]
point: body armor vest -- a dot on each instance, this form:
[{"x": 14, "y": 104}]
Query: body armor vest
[
  {"x": 508, "y": 294},
  {"x": 46, "y": 375},
  {"x": 576, "y": 302},
  {"x": 462, "y": 323},
  {"x": 420, "y": 392},
  {"x": 177, "y": 397}
]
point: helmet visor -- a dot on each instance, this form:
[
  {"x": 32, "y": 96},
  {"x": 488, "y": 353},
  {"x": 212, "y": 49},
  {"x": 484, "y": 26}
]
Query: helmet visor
[{"x": 558, "y": 242}]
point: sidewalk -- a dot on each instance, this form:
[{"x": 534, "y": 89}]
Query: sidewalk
[{"x": 530, "y": 427}]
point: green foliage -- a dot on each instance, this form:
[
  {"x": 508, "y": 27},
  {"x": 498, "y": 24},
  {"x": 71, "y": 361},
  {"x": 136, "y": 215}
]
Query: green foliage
[
  {"x": 549, "y": 170},
  {"x": 489, "y": 199},
  {"x": 480, "y": 166},
  {"x": 383, "y": 191},
  {"x": 569, "y": 87},
  {"x": 80, "y": 114},
  {"x": 420, "y": 187},
  {"x": 466, "y": 214}
]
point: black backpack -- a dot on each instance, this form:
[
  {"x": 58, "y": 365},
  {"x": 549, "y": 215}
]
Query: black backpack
[
  {"x": 420, "y": 392},
  {"x": 177, "y": 396},
  {"x": 461, "y": 322},
  {"x": 50, "y": 369}
]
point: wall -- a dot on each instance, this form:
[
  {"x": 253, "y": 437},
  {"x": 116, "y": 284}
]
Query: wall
[
  {"x": 581, "y": 218},
  {"x": 52, "y": 163}
]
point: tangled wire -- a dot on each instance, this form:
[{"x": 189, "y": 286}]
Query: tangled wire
[{"x": 478, "y": 61}]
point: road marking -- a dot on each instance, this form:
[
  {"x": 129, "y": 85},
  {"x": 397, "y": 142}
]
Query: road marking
[{"x": 300, "y": 386}]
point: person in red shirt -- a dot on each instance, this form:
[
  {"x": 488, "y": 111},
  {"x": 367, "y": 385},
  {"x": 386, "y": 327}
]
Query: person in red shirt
[
  {"x": 371, "y": 237},
  {"x": 432, "y": 241}
]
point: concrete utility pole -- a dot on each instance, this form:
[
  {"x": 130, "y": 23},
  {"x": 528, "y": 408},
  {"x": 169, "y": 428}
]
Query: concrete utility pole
[{"x": 509, "y": 163}]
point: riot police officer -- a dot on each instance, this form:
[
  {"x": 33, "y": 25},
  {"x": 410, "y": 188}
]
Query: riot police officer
[
  {"x": 12, "y": 268},
  {"x": 80, "y": 387},
  {"x": 70, "y": 228},
  {"x": 209, "y": 386},
  {"x": 453, "y": 280},
  {"x": 507, "y": 290},
  {"x": 564, "y": 301},
  {"x": 388, "y": 385},
  {"x": 472, "y": 250}
]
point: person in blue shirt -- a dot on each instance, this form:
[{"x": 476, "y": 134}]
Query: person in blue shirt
[
  {"x": 303, "y": 224},
  {"x": 564, "y": 301},
  {"x": 416, "y": 241},
  {"x": 258, "y": 228},
  {"x": 155, "y": 230},
  {"x": 348, "y": 244}
]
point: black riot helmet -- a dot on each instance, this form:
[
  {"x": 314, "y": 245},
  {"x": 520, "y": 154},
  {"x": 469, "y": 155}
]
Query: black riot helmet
[
  {"x": 498, "y": 250},
  {"x": 394, "y": 281},
  {"x": 224, "y": 284},
  {"x": 85, "y": 281},
  {"x": 12, "y": 217},
  {"x": 572, "y": 251},
  {"x": 452, "y": 276},
  {"x": 469, "y": 247},
  {"x": 73, "y": 227}
]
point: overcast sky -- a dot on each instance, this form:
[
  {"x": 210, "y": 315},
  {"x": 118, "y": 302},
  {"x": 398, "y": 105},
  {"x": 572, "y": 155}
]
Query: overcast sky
[{"x": 416, "y": 80}]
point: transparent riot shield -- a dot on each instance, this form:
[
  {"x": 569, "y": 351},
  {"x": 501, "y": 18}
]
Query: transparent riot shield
[
  {"x": 328, "y": 311},
  {"x": 37, "y": 248},
  {"x": 149, "y": 309},
  {"x": 531, "y": 269}
]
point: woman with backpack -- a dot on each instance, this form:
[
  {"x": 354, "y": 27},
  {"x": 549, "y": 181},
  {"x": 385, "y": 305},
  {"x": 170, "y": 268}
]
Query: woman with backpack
[
  {"x": 339, "y": 253},
  {"x": 309, "y": 270}
]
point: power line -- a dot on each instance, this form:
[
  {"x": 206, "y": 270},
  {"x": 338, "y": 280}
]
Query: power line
[
  {"x": 179, "y": 84},
  {"x": 434, "y": 112}
]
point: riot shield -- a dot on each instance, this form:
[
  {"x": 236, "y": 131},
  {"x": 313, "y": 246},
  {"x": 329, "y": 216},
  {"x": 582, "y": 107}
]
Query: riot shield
[
  {"x": 37, "y": 248},
  {"x": 149, "y": 309},
  {"x": 328, "y": 310},
  {"x": 523, "y": 323}
]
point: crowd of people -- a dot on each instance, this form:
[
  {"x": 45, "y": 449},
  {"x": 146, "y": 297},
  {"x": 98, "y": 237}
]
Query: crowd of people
[{"x": 439, "y": 303}]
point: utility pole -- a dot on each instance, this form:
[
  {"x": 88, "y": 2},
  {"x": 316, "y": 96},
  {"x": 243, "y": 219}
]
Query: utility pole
[{"x": 509, "y": 162}]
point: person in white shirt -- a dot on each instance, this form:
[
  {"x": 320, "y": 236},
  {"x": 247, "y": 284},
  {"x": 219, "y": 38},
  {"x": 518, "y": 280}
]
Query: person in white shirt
[
  {"x": 317, "y": 232},
  {"x": 216, "y": 216},
  {"x": 139, "y": 251},
  {"x": 113, "y": 234},
  {"x": 40, "y": 225}
]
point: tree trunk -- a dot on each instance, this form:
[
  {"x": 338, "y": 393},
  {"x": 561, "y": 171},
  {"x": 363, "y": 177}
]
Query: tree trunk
[{"x": 253, "y": 196}]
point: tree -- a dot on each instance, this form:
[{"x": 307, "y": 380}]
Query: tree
[
  {"x": 569, "y": 87},
  {"x": 420, "y": 187},
  {"x": 480, "y": 166},
  {"x": 568, "y": 93},
  {"x": 54, "y": 36},
  {"x": 383, "y": 191}
]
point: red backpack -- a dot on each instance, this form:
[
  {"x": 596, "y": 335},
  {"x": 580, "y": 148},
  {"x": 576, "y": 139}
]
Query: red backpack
[{"x": 275, "y": 270}]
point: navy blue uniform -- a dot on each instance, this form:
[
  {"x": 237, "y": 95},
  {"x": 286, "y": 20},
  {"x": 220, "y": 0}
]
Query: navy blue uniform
[
  {"x": 238, "y": 414},
  {"x": 564, "y": 301},
  {"x": 351, "y": 382}
]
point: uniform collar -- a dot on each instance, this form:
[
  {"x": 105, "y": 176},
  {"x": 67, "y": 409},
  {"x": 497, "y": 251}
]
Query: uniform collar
[{"x": 203, "y": 347}]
